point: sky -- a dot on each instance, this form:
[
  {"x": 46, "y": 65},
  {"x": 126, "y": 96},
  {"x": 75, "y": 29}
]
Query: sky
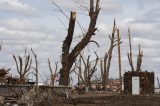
[{"x": 40, "y": 25}]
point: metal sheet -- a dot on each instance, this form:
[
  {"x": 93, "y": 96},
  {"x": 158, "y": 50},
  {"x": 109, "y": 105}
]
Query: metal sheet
[{"x": 135, "y": 85}]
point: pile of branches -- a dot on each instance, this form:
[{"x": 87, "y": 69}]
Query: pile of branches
[
  {"x": 3, "y": 72},
  {"x": 12, "y": 80}
]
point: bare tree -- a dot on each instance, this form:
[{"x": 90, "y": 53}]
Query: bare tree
[
  {"x": 119, "y": 59},
  {"x": 89, "y": 69},
  {"x": 139, "y": 59},
  {"x": 69, "y": 57},
  {"x": 139, "y": 56},
  {"x": 105, "y": 64},
  {"x": 23, "y": 65},
  {"x": 130, "y": 53},
  {"x": 35, "y": 68},
  {"x": 53, "y": 73}
]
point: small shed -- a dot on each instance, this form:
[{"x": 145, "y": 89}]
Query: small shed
[{"x": 139, "y": 82}]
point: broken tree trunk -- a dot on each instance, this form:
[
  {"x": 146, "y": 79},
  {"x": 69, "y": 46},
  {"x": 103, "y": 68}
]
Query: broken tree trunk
[
  {"x": 49, "y": 64},
  {"x": 88, "y": 70},
  {"x": 158, "y": 82},
  {"x": 119, "y": 59},
  {"x": 66, "y": 66},
  {"x": 68, "y": 58},
  {"x": 106, "y": 63},
  {"x": 36, "y": 69},
  {"x": 53, "y": 73},
  {"x": 23, "y": 66},
  {"x": 139, "y": 59},
  {"x": 130, "y": 53}
]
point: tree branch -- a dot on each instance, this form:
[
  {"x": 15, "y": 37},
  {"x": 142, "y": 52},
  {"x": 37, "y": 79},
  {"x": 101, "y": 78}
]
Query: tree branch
[{"x": 14, "y": 57}]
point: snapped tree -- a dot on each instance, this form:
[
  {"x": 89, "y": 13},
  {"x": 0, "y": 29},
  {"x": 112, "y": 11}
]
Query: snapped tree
[
  {"x": 139, "y": 59},
  {"x": 139, "y": 56},
  {"x": 23, "y": 65},
  {"x": 69, "y": 56},
  {"x": 106, "y": 62},
  {"x": 54, "y": 72},
  {"x": 86, "y": 73},
  {"x": 35, "y": 69},
  {"x": 130, "y": 53}
]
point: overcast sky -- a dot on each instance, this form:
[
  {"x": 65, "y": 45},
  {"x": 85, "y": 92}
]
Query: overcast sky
[{"x": 40, "y": 25}]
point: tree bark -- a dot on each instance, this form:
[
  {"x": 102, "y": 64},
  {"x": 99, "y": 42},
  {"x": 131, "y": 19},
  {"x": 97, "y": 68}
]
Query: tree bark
[
  {"x": 105, "y": 65},
  {"x": 36, "y": 70},
  {"x": 69, "y": 58},
  {"x": 139, "y": 59},
  {"x": 23, "y": 66},
  {"x": 130, "y": 54},
  {"x": 119, "y": 60},
  {"x": 66, "y": 65}
]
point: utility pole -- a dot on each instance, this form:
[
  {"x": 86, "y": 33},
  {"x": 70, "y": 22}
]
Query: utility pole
[
  {"x": 119, "y": 59},
  {"x": 158, "y": 82},
  {"x": 78, "y": 81}
]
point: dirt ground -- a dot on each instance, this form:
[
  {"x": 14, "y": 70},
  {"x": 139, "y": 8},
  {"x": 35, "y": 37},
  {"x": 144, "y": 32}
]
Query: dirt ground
[
  {"x": 103, "y": 100},
  {"x": 112, "y": 100}
]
